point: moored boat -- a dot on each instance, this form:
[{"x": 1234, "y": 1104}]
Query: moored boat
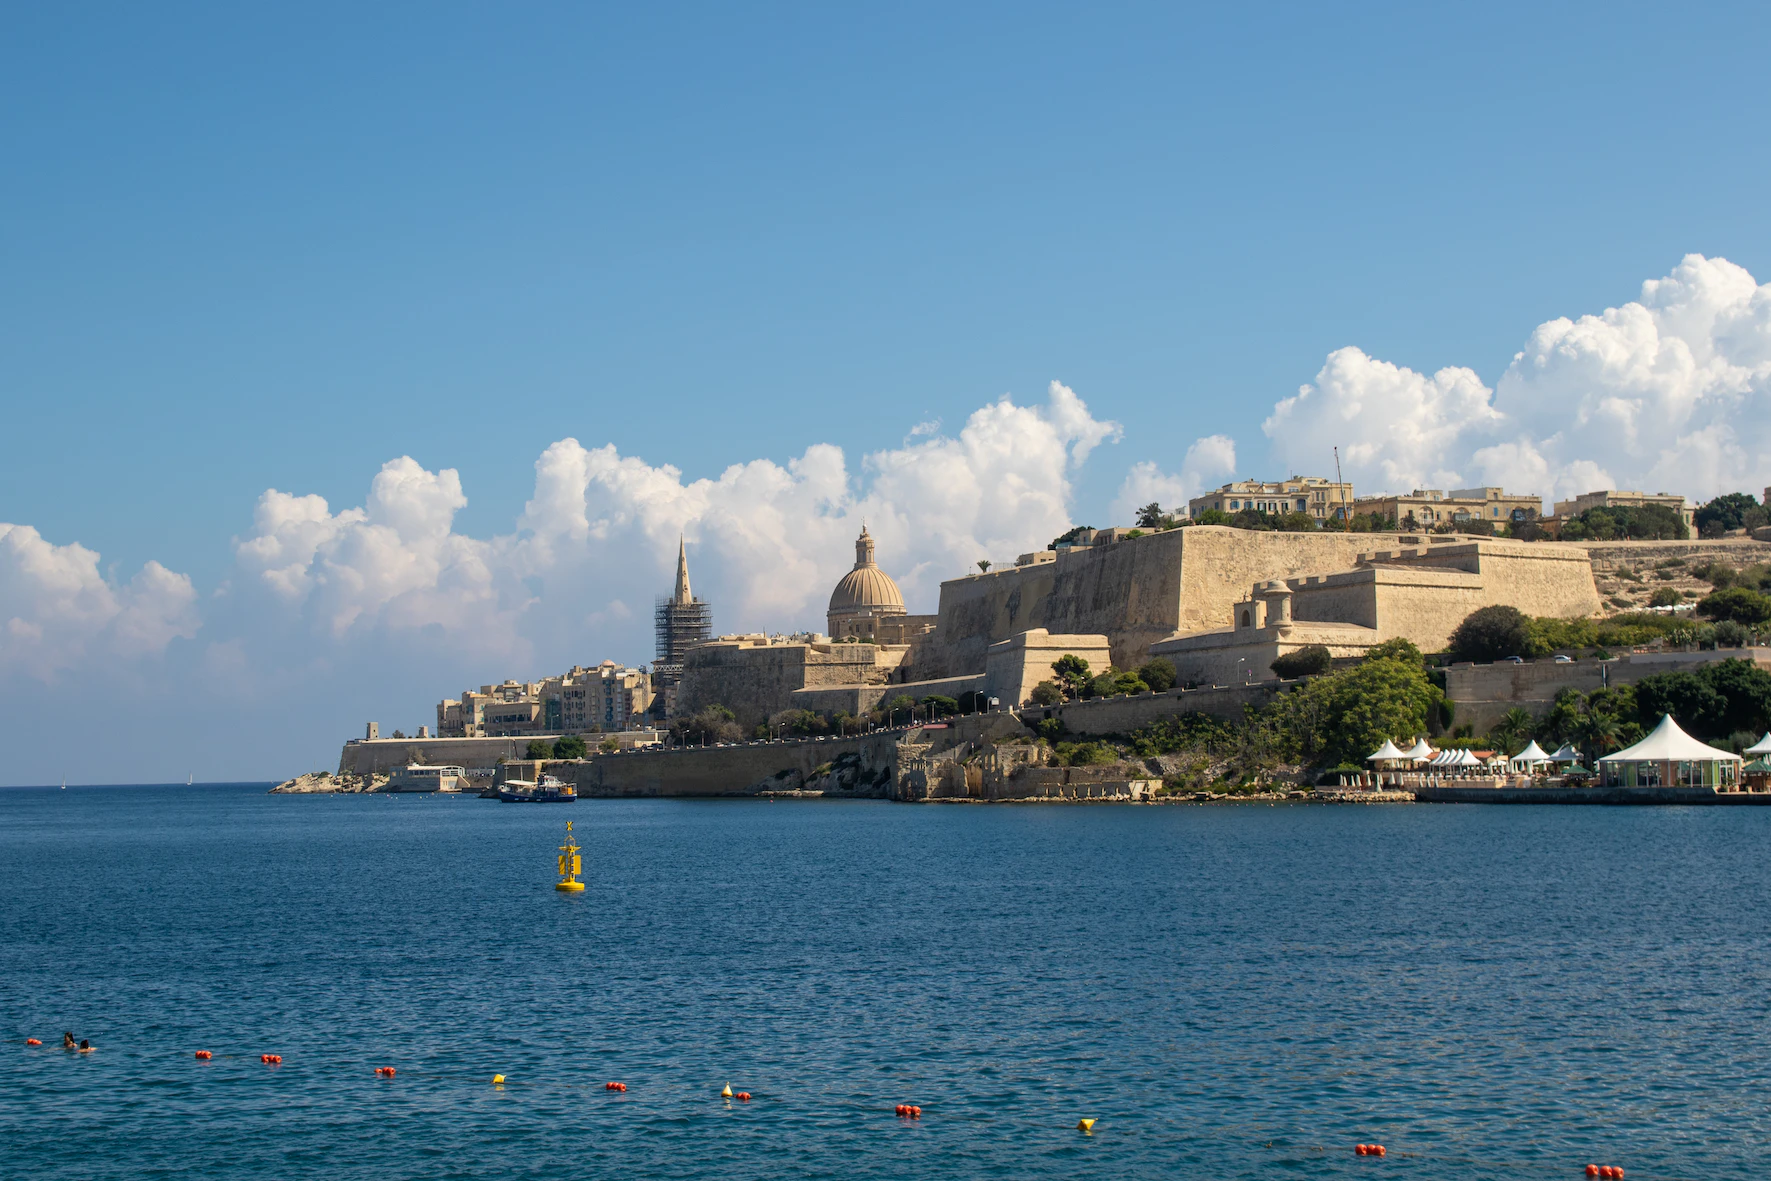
[{"x": 527, "y": 791}]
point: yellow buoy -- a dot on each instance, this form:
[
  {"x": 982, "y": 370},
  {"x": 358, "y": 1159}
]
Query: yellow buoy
[
  {"x": 570, "y": 865},
  {"x": 497, "y": 1079},
  {"x": 727, "y": 1093},
  {"x": 1087, "y": 1125}
]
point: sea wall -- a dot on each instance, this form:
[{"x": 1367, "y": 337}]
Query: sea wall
[
  {"x": 378, "y": 756},
  {"x": 744, "y": 769}
]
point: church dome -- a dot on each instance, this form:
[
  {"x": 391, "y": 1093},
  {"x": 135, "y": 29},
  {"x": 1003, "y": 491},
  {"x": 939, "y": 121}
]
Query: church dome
[{"x": 866, "y": 588}]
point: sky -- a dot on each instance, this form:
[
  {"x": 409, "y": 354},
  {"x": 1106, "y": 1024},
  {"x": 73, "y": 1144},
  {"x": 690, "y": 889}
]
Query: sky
[{"x": 350, "y": 357}]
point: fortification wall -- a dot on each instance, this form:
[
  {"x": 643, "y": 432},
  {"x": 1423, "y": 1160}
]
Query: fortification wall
[
  {"x": 1134, "y": 592},
  {"x": 746, "y": 769},
  {"x": 858, "y": 699},
  {"x": 380, "y": 755},
  {"x": 757, "y": 680},
  {"x": 1483, "y": 693},
  {"x": 1736, "y": 551},
  {"x": 1122, "y": 715}
]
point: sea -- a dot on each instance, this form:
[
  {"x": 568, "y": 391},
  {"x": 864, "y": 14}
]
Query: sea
[{"x": 1228, "y": 991}]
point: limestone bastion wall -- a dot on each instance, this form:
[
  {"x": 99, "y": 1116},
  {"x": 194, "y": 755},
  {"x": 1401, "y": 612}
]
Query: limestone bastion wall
[
  {"x": 740, "y": 770},
  {"x": 381, "y": 755},
  {"x": 1134, "y": 592},
  {"x": 1482, "y": 693},
  {"x": 757, "y": 680}
]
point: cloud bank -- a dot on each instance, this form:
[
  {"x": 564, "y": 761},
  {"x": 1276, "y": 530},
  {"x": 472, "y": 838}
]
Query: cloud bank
[{"x": 1671, "y": 392}]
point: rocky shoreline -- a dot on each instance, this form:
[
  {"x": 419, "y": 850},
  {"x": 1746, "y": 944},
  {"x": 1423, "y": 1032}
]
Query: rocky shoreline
[{"x": 322, "y": 782}]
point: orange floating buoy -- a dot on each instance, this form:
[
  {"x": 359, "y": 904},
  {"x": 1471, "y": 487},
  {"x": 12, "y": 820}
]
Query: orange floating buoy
[
  {"x": 915, "y": 1111},
  {"x": 1359, "y": 1150},
  {"x": 204, "y": 1055},
  {"x": 1592, "y": 1170},
  {"x": 744, "y": 1096},
  {"x": 32, "y": 1041}
]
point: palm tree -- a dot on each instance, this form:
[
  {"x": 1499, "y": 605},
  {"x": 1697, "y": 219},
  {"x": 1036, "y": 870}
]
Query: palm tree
[
  {"x": 1597, "y": 733},
  {"x": 1514, "y": 728}
]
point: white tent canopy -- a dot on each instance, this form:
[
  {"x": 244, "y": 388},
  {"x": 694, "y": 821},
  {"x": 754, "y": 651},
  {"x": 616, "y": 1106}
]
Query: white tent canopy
[
  {"x": 1565, "y": 754},
  {"x": 1420, "y": 752},
  {"x": 1531, "y": 754},
  {"x": 1761, "y": 747},
  {"x": 1386, "y": 751},
  {"x": 1669, "y": 744}
]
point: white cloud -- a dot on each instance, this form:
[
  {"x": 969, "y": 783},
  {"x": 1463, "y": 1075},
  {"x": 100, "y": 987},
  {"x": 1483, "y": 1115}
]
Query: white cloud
[
  {"x": 1207, "y": 462},
  {"x": 56, "y": 609},
  {"x": 1670, "y": 392}
]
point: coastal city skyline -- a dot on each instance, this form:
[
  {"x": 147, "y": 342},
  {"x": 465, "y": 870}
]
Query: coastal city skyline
[{"x": 411, "y": 378}]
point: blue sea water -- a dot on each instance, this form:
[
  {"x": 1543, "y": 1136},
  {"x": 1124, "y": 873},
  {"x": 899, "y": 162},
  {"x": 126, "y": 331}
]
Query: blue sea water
[{"x": 1242, "y": 991}]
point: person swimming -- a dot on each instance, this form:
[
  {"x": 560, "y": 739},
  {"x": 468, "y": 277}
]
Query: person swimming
[
  {"x": 85, "y": 1046},
  {"x": 67, "y": 1042}
]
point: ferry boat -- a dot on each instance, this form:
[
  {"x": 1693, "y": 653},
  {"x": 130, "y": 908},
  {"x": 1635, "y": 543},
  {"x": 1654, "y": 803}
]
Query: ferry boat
[
  {"x": 420, "y": 777},
  {"x": 527, "y": 791}
]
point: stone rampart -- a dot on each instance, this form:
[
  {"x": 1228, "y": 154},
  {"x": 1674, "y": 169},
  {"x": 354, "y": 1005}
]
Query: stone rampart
[
  {"x": 1483, "y": 693},
  {"x": 744, "y": 769},
  {"x": 377, "y": 756},
  {"x": 1734, "y": 551},
  {"x": 755, "y": 680},
  {"x": 858, "y": 699},
  {"x": 1122, "y": 715}
]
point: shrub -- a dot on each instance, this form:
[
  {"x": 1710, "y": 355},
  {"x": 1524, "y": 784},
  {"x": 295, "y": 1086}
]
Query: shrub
[
  {"x": 1305, "y": 662},
  {"x": 1159, "y": 674},
  {"x": 1491, "y": 633},
  {"x": 611, "y": 744},
  {"x": 569, "y": 747},
  {"x": 1663, "y": 596},
  {"x": 538, "y": 750},
  {"x": 1084, "y": 754},
  {"x": 1047, "y": 693},
  {"x": 1738, "y": 603},
  {"x": 939, "y": 706}
]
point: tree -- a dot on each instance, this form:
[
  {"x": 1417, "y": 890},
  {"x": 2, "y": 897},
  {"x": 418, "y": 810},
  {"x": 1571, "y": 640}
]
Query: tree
[
  {"x": 1305, "y": 662},
  {"x": 1725, "y": 513},
  {"x": 1150, "y": 516},
  {"x": 569, "y": 747},
  {"x": 1729, "y": 634},
  {"x": 1069, "y": 536},
  {"x": 538, "y": 750},
  {"x": 1047, "y": 693},
  {"x": 609, "y": 745},
  {"x": 1691, "y": 701},
  {"x": 714, "y": 724},
  {"x": 1073, "y": 673},
  {"x": 939, "y": 706},
  {"x": 1397, "y": 649},
  {"x": 1663, "y": 596},
  {"x": 1342, "y": 716},
  {"x": 1491, "y": 633},
  {"x": 1212, "y": 516},
  {"x": 1158, "y": 673},
  {"x": 983, "y": 565},
  {"x": 1739, "y": 603},
  {"x": 1513, "y": 730}
]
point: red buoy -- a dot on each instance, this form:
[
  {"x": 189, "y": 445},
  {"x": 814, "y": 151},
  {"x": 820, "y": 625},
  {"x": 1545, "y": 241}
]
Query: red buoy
[
  {"x": 204, "y": 1055},
  {"x": 1377, "y": 1150},
  {"x": 744, "y": 1096},
  {"x": 1592, "y": 1170},
  {"x": 32, "y": 1041},
  {"x": 1359, "y": 1149},
  {"x": 915, "y": 1111}
]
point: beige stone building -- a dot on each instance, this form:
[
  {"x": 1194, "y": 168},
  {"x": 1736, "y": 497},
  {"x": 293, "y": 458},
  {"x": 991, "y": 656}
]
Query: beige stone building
[
  {"x": 1615, "y": 499},
  {"x": 867, "y": 606},
  {"x": 1322, "y": 498},
  {"x": 1431, "y": 508},
  {"x": 609, "y": 698},
  {"x": 1419, "y": 593}
]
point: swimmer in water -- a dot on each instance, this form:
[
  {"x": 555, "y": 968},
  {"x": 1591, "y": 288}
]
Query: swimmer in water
[
  {"x": 85, "y": 1046},
  {"x": 67, "y": 1042}
]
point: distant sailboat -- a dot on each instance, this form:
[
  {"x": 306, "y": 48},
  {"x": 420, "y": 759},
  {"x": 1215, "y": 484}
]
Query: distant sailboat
[
  {"x": 189, "y": 779},
  {"x": 64, "y": 783}
]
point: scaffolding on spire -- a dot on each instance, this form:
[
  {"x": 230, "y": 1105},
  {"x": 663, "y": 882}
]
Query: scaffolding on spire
[{"x": 680, "y": 622}]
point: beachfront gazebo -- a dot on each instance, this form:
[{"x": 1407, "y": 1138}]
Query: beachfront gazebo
[
  {"x": 1761, "y": 748},
  {"x": 1565, "y": 754},
  {"x": 1420, "y": 752},
  {"x": 1669, "y": 757},
  {"x": 1387, "y": 753}
]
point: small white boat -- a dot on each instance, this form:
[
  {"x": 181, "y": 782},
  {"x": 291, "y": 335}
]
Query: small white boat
[{"x": 527, "y": 791}]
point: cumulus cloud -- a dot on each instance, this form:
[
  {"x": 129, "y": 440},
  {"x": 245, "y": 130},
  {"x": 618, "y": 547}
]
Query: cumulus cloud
[
  {"x": 767, "y": 540},
  {"x": 1207, "y": 463},
  {"x": 1669, "y": 392},
  {"x": 56, "y": 608}
]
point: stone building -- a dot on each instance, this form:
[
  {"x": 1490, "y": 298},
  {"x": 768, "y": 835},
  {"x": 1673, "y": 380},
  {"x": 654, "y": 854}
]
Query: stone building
[
  {"x": 867, "y": 606},
  {"x": 1615, "y": 499},
  {"x": 608, "y": 698},
  {"x": 1432, "y": 508},
  {"x": 680, "y": 622},
  {"x": 1320, "y": 497}
]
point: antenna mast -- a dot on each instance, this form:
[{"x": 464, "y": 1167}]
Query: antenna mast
[{"x": 1346, "y": 510}]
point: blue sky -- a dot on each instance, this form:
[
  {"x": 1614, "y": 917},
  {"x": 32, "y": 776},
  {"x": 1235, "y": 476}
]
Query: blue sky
[{"x": 249, "y": 248}]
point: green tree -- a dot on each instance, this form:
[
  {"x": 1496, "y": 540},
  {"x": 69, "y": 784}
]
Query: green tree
[
  {"x": 1150, "y": 516},
  {"x": 1158, "y": 673},
  {"x": 1073, "y": 673},
  {"x": 1305, "y": 662},
  {"x": 939, "y": 706},
  {"x": 538, "y": 749},
  {"x": 1738, "y": 603},
  {"x": 1491, "y": 633},
  {"x": 711, "y": 725},
  {"x": 1691, "y": 701},
  {"x": 1070, "y": 535},
  {"x": 569, "y": 747},
  {"x": 1725, "y": 513},
  {"x": 1212, "y": 516},
  {"x": 1513, "y": 730},
  {"x": 609, "y": 745},
  {"x": 983, "y": 565},
  {"x": 1345, "y": 715},
  {"x": 1397, "y": 649},
  {"x": 1047, "y": 693},
  {"x": 1663, "y": 596}
]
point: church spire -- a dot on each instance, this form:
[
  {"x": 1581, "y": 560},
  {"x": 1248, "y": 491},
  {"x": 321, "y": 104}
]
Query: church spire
[
  {"x": 682, "y": 572},
  {"x": 864, "y": 549}
]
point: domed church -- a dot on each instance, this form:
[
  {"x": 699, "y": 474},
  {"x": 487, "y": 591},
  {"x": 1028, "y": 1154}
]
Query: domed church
[{"x": 866, "y": 605}]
